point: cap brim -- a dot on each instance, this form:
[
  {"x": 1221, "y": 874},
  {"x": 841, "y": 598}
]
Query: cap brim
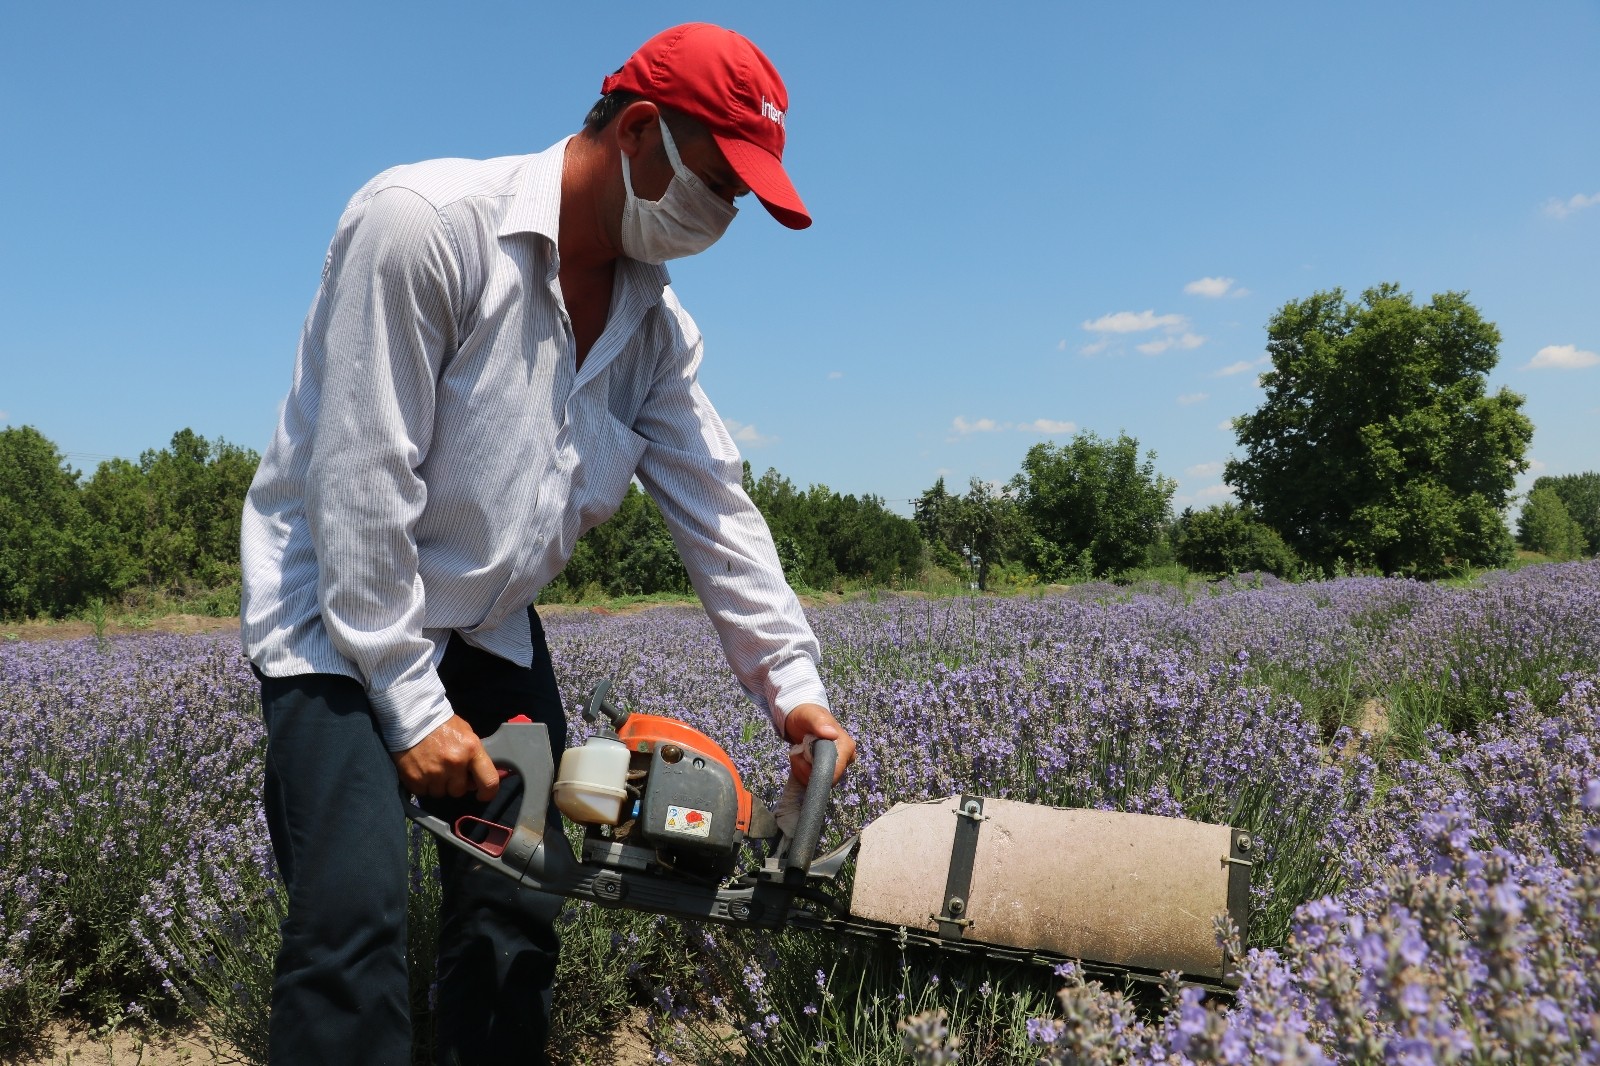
[{"x": 760, "y": 169}]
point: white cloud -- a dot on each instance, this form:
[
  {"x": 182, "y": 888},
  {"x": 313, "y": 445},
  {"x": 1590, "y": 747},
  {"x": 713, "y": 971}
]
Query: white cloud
[
  {"x": 1210, "y": 287},
  {"x": 981, "y": 425},
  {"x": 1226, "y": 425},
  {"x": 1205, "y": 469},
  {"x": 1562, "y": 208},
  {"x": 1135, "y": 322},
  {"x": 1061, "y": 345},
  {"x": 835, "y": 375},
  {"x": 1239, "y": 368},
  {"x": 1193, "y": 397},
  {"x": 1214, "y": 492},
  {"x": 1185, "y": 341},
  {"x": 963, "y": 427},
  {"x": 745, "y": 433},
  {"x": 1093, "y": 349},
  {"x": 1562, "y": 357},
  {"x": 1536, "y": 465},
  {"x": 5, "y": 416}
]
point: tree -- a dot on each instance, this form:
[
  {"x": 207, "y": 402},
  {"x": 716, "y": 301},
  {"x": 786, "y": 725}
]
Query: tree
[
  {"x": 630, "y": 554},
  {"x": 981, "y": 530},
  {"x": 936, "y": 519},
  {"x": 824, "y": 537},
  {"x": 43, "y": 535},
  {"x": 1092, "y": 506},
  {"x": 1376, "y": 444},
  {"x": 1545, "y": 526},
  {"x": 121, "y": 514},
  {"x": 1581, "y": 495},
  {"x": 1227, "y": 539}
]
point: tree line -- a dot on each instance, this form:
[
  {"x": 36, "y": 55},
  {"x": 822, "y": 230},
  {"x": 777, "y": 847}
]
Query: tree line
[
  {"x": 164, "y": 526},
  {"x": 1377, "y": 448}
]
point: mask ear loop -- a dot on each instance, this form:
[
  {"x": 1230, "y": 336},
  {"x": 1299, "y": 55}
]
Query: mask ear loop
[{"x": 681, "y": 169}]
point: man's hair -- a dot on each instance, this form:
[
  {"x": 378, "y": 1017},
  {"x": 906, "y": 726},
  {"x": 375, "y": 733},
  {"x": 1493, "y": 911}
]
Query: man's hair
[{"x": 607, "y": 108}]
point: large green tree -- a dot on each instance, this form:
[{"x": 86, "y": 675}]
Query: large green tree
[
  {"x": 1580, "y": 493},
  {"x": 1093, "y": 506},
  {"x": 824, "y": 537},
  {"x": 1547, "y": 527},
  {"x": 1377, "y": 443},
  {"x": 1227, "y": 539},
  {"x": 172, "y": 518},
  {"x": 44, "y": 540},
  {"x": 981, "y": 530}
]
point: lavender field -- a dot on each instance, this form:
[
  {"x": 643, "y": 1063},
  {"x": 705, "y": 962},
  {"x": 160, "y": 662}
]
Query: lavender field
[{"x": 1421, "y": 763}]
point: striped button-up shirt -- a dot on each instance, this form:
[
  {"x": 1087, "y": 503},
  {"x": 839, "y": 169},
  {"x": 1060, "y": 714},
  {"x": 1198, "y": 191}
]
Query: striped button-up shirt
[{"x": 440, "y": 451}]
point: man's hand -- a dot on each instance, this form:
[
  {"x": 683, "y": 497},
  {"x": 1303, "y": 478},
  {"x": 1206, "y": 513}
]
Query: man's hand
[
  {"x": 450, "y": 761},
  {"x": 814, "y": 720}
]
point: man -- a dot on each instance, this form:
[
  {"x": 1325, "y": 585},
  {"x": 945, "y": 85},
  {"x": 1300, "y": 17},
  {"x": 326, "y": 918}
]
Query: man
[{"x": 493, "y": 354}]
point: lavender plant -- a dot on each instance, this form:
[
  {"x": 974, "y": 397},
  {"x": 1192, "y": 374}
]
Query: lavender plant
[
  {"x": 1473, "y": 935},
  {"x": 1452, "y": 915}
]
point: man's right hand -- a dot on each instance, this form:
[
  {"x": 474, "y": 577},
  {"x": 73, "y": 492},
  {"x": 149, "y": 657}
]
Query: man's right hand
[{"x": 450, "y": 761}]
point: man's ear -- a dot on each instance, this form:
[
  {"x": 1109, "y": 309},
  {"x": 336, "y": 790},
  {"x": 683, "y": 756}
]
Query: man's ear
[{"x": 635, "y": 127}]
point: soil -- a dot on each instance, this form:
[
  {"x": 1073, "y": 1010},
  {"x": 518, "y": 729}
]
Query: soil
[
  {"x": 71, "y": 1044},
  {"x": 1373, "y": 726},
  {"x": 199, "y": 623},
  {"x": 74, "y": 630}
]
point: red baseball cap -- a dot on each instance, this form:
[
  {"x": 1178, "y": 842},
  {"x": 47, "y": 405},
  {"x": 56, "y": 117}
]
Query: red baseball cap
[{"x": 720, "y": 78}]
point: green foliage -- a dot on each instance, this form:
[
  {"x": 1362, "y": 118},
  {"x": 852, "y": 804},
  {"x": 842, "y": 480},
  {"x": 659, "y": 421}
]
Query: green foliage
[
  {"x": 166, "y": 525},
  {"x": 1376, "y": 444},
  {"x": 1092, "y": 506},
  {"x": 974, "y": 533},
  {"x": 630, "y": 554},
  {"x": 1581, "y": 495},
  {"x": 1227, "y": 539},
  {"x": 44, "y": 536},
  {"x": 1547, "y": 527},
  {"x": 841, "y": 1003},
  {"x": 824, "y": 538}
]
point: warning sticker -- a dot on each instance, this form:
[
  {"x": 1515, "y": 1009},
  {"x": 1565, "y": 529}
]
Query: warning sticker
[{"x": 688, "y": 821}]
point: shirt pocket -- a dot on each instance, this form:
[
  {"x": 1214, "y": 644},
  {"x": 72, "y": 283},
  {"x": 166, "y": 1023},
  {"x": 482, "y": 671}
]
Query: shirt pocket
[{"x": 607, "y": 454}]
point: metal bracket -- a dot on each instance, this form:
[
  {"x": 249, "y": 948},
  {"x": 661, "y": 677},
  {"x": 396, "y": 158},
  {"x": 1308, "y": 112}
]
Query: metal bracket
[
  {"x": 1240, "y": 866},
  {"x": 958, "y": 883}
]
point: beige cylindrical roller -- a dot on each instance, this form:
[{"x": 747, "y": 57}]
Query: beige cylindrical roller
[{"x": 1133, "y": 890}]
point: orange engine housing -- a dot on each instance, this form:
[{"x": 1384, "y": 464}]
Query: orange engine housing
[{"x": 643, "y": 732}]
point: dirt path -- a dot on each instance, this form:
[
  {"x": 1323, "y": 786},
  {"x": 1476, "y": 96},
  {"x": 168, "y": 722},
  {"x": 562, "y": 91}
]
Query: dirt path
[
  {"x": 74, "y": 630},
  {"x": 199, "y": 623},
  {"x": 71, "y": 1044}
]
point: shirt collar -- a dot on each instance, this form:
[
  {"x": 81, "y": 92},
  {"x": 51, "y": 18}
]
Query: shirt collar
[
  {"x": 536, "y": 205},
  {"x": 536, "y": 208}
]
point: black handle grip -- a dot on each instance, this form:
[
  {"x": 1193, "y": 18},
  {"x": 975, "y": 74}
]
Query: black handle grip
[
  {"x": 824, "y": 757},
  {"x": 523, "y": 748}
]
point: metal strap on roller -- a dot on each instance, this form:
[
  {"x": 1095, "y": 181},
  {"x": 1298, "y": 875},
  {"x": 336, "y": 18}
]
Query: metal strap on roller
[{"x": 953, "y": 919}]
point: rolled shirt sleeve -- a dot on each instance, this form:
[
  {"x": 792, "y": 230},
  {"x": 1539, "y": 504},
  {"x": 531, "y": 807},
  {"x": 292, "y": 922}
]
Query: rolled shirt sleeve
[
  {"x": 385, "y": 324},
  {"x": 693, "y": 471}
]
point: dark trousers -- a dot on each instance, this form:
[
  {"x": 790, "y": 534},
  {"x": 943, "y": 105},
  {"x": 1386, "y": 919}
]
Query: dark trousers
[{"x": 341, "y": 992}]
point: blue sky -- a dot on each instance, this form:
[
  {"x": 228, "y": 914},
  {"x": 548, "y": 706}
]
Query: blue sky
[{"x": 1030, "y": 218}]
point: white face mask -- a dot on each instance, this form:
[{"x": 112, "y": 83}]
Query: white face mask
[{"x": 687, "y": 219}]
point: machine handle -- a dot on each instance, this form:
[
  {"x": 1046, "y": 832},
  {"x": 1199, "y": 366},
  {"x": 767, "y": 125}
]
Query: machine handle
[
  {"x": 824, "y": 756},
  {"x": 522, "y": 747}
]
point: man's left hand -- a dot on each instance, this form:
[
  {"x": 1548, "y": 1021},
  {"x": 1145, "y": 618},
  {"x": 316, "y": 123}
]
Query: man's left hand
[{"x": 815, "y": 720}]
